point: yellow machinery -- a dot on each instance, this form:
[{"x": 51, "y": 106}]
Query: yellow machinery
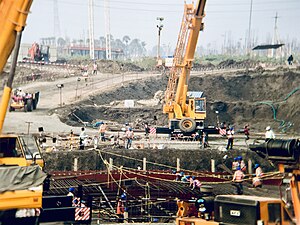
[
  {"x": 18, "y": 189},
  {"x": 253, "y": 210},
  {"x": 19, "y": 150},
  {"x": 13, "y": 15},
  {"x": 21, "y": 175},
  {"x": 186, "y": 110}
]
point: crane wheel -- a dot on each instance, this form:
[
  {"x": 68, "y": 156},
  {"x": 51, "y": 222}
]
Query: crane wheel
[{"x": 187, "y": 125}]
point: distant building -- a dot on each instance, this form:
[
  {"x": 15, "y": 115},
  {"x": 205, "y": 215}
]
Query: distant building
[{"x": 100, "y": 53}]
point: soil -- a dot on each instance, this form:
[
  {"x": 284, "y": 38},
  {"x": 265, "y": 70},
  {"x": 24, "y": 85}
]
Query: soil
[{"x": 239, "y": 98}]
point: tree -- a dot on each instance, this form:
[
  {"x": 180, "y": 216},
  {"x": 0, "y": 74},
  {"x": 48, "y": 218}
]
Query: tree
[
  {"x": 126, "y": 39},
  {"x": 102, "y": 41},
  {"x": 61, "y": 42}
]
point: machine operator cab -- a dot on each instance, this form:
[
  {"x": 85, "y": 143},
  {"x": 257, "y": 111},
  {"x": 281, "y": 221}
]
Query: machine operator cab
[
  {"x": 21, "y": 150},
  {"x": 194, "y": 115}
]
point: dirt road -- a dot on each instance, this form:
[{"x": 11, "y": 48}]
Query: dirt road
[{"x": 51, "y": 97}]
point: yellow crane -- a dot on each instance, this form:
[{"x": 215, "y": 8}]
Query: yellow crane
[{"x": 186, "y": 110}]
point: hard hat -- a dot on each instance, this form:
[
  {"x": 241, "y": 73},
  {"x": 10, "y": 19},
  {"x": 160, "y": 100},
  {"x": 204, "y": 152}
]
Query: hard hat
[
  {"x": 238, "y": 168},
  {"x": 268, "y": 128},
  {"x": 130, "y": 129},
  {"x": 193, "y": 177},
  {"x": 239, "y": 158},
  {"x": 256, "y": 165},
  {"x": 71, "y": 189},
  {"x": 235, "y": 159}
]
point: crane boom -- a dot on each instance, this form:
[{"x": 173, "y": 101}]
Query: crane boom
[{"x": 176, "y": 106}]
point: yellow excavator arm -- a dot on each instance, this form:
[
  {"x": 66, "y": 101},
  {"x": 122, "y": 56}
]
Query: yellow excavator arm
[{"x": 13, "y": 15}]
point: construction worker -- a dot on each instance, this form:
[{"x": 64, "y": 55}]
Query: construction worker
[
  {"x": 120, "y": 210},
  {"x": 256, "y": 182},
  {"x": 82, "y": 139},
  {"x": 95, "y": 68},
  {"x": 269, "y": 133},
  {"x": 246, "y": 132},
  {"x": 230, "y": 133},
  {"x": 102, "y": 130},
  {"x": 290, "y": 59},
  {"x": 129, "y": 137},
  {"x": 195, "y": 183},
  {"x": 238, "y": 177},
  {"x": 71, "y": 193},
  {"x": 241, "y": 163},
  {"x": 235, "y": 164}
]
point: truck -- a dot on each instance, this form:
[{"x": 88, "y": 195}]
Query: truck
[
  {"x": 25, "y": 101},
  {"x": 186, "y": 110},
  {"x": 254, "y": 210},
  {"x": 23, "y": 179}
]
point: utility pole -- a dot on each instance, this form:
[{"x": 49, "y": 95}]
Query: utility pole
[
  {"x": 107, "y": 30},
  {"x": 159, "y": 26},
  {"x": 249, "y": 30},
  {"x": 275, "y": 39},
  {"x": 56, "y": 20},
  {"x": 91, "y": 29}
]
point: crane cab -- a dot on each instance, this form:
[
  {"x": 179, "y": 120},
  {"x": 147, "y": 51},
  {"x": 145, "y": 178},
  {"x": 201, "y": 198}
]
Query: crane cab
[{"x": 21, "y": 150}]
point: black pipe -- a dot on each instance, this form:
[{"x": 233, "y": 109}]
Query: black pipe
[{"x": 277, "y": 150}]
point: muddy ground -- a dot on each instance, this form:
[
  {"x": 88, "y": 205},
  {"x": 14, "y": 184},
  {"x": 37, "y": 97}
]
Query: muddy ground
[{"x": 239, "y": 98}]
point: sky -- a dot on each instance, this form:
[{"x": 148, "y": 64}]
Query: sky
[{"x": 138, "y": 19}]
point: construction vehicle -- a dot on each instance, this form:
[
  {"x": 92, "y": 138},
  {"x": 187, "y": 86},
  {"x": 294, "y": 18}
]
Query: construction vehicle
[
  {"x": 39, "y": 53},
  {"x": 26, "y": 101},
  {"x": 22, "y": 179},
  {"x": 186, "y": 110},
  {"x": 253, "y": 210}
]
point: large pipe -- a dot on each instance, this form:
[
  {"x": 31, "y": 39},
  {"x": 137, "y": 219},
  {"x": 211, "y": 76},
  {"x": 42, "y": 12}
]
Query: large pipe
[{"x": 281, "y": 151}]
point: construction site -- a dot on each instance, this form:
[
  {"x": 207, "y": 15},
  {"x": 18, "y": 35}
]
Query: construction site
[{"x": 185, "y": 140}]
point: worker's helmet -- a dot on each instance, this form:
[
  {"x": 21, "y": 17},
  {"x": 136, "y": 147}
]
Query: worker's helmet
[
  {"x": 268, "y": 128},
  {"x": 238, "y": 168},
  {"x": 256, "y": 166},
  {"x": 235, "y": 159},
  {"x": 239, "y": 158},
  {"x": 193, "y": 177},
  {"x": 71, "y": 189},
  {"x": 130, "y": 129}
]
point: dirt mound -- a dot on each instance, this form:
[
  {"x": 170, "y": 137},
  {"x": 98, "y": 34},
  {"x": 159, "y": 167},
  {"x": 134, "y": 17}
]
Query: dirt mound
[
  {"x": 239, "y": 99},
  {"x": 108, "y": 66}
]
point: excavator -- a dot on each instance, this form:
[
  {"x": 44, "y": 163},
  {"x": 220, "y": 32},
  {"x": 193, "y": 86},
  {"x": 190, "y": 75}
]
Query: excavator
[
  {"x": 186, "y": 110},
  {"x": 21, "y": 165},
  {"x": 253, "y": 210}
]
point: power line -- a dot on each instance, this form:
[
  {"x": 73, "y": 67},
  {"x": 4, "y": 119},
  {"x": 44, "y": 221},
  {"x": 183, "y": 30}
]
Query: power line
[{"x": 178, "y": 11}]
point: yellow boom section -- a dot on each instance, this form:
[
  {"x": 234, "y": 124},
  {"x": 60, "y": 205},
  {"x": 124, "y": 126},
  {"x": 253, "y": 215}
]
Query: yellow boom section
[
  {"x": 13, "y": 15},
  {"x": 175, "y": 95}
]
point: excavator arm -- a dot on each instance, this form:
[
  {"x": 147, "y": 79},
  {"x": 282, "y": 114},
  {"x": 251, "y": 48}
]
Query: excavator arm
[{"x": 13, "y": 15}]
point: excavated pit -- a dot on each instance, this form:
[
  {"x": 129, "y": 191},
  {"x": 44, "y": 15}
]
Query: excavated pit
[{"x": 239, "y": 98}]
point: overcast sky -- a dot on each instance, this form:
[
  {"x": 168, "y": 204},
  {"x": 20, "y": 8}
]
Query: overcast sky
[{"x": 137, "y": 19}]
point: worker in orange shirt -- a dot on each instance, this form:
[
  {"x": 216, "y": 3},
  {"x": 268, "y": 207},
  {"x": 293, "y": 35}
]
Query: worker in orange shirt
[
  {"x": 238, "y": 177},
  {"x": 120, "y": 210}
]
